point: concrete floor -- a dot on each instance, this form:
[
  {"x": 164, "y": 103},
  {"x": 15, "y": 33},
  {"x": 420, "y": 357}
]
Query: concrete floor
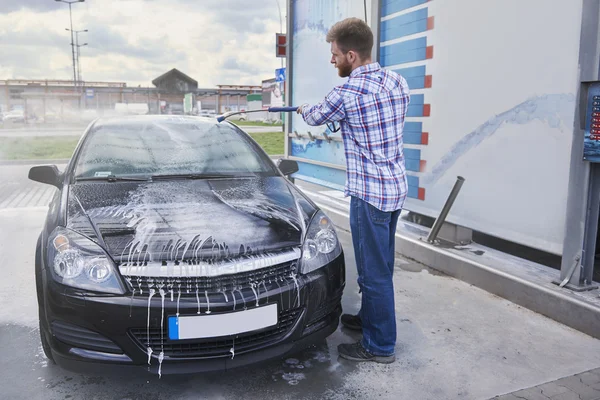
[
  {"x": 584, "y": 386},
  {"x": 454, "y": 341}
]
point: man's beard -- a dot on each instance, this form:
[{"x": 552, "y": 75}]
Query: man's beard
[{"x": 344, "y": 70}]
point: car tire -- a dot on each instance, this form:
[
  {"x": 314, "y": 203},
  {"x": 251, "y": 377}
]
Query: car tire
[
  {"x": 45, "y": 344},
  {"x": 39, "y": 289}
]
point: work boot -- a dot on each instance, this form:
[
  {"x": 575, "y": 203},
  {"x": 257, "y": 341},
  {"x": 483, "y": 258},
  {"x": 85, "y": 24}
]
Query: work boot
[
  {"x": 352, "y": 322},
  {"x": 356, "y": 352}
]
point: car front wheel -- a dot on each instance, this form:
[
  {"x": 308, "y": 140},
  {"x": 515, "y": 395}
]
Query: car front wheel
[{"x": 44, "y": 340}]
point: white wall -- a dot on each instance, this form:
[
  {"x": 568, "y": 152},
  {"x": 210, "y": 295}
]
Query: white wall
[
  {"x": 504, "y": 78},
  {"x": 489, "y": 58}
]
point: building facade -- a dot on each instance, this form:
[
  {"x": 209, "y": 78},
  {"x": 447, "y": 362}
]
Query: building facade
[{"x": 62, "y": 99}]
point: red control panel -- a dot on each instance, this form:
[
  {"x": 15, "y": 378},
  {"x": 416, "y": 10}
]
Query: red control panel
[
  {"x": 595, "y": 120},
  {"x": 591, "y": 137}
]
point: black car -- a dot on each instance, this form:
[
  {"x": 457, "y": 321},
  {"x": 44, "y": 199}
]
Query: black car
[{"x": 176, "y": 244}]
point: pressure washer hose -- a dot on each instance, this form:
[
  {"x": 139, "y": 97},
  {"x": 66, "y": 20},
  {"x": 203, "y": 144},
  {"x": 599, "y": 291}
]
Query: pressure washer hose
[{"x": 222, "y": 118}]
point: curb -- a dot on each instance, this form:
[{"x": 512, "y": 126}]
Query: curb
[
  {"x": 34, "y": 162},
  {"x": 560, "y": 306},
  {"x": 9, "y": 130},
  {"x": 77, "y": 128},
  {"x": 66, "y": 161}
]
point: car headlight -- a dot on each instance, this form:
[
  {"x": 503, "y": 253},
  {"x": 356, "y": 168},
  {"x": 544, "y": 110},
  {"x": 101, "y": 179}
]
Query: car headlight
[
  {"x": 79, "y": 262},
  {"x": 321, "y": 244}
]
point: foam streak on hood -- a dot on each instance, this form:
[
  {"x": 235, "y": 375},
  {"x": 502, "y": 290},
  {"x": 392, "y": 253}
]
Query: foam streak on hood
[{"x": 165, "y": 222}]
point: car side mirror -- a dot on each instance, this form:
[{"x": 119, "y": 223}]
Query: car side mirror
[
  {"x": 48, "y": 174},
  {"x": 287, "y": 167}
]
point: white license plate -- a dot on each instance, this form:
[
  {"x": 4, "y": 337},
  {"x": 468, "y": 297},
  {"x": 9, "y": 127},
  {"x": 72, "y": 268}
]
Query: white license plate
[{"x": 207, "y": 326}]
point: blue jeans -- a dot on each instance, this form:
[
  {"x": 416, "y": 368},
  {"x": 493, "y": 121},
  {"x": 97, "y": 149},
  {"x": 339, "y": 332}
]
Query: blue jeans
[{"x": 373, "y": 238}]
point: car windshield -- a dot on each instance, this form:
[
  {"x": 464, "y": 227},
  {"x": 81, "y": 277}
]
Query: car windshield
[{"x": 169, "y": 146}]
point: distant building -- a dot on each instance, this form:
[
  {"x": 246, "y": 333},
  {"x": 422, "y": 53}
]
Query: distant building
[
  {"x": 175, "y": 81},
  {"x": 60, "y": 99},
  {"x": 272, "y": 96}
]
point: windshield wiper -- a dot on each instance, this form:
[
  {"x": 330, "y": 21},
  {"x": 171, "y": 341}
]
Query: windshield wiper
[
  {"x": 113, "y": 178},
  {"x": 195, "y": 176}
]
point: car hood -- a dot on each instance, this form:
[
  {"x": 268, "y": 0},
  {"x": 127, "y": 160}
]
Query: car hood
[{"x": 186, "y": 220}]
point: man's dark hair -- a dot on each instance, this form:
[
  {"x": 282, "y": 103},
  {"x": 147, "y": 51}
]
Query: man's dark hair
[{"x": 352, "y": 34}]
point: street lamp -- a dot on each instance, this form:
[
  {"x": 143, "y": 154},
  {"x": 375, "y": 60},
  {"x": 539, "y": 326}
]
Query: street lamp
[
  {"x": 78, "y": 75},
  {"x": 69, "y": 2}
]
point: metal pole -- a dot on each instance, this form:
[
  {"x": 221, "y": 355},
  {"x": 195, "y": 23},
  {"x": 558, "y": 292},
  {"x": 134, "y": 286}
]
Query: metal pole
[
  {"x": 579, "y": 224},
  {"x": 44, "y": 103},
  {"x": 437, "y": 225},
  {"x": 7, "y": 91},
  {"x": 79, "y": 68},
  {"x": 218, "y": 108},
  {"x": 280, "y": 25},
  {"x": 72, "y": 46},
  {"x": 584, "y": 277},
  {"x": 374, "y": 24},
  {"x": 289, "y": 73},
  {"x": 77, "y": 55},
  {"x": 287, "y": 126},
  {"x": 79, "y": 73}
]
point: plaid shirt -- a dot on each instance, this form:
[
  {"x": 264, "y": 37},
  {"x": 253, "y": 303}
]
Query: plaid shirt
[{"x": 370, "y": 108}]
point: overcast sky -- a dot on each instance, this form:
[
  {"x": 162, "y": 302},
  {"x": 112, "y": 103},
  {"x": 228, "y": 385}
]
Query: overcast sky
[{"x": 134, "y": 41}]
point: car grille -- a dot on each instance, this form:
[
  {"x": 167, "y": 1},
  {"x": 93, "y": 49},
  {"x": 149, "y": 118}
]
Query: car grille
[
  {"x": 216, "y": 347},
  {"x": 189, "y": 285}
]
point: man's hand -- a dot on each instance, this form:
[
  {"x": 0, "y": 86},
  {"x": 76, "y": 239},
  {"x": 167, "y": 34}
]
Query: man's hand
[{"x": 301, "y": 108}]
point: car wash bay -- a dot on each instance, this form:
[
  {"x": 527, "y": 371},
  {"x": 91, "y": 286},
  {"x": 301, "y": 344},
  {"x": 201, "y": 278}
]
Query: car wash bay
[{"x": 454, "y": 340}]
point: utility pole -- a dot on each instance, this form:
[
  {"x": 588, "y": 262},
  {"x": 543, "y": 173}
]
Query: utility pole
[
  {"x": 78, "y": 75},
  {"x": 78, "y": 65},
  {"x": 79, "y": 78},
  {"x": 70, "y": 2}
]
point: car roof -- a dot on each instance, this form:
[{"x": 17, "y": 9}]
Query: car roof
[{"x": 145, "y": 119}]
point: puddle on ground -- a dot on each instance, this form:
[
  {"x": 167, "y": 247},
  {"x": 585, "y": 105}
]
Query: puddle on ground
[
  {"x": 293, "y": 369},
  {"x": 417, "y": 267}
]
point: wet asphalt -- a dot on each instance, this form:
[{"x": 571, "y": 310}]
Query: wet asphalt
[
  {"x": 455, "y": 341},
  {"x": 28, "y": 374}
]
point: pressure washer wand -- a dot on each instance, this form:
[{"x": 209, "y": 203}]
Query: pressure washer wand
[{"x": 222, "y": 118}]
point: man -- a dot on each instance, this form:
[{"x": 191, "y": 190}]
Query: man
[{"x": 370, "y": 108}]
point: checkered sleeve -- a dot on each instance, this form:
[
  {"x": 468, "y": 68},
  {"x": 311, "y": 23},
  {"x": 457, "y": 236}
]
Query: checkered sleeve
[{"x": 331, "y": 109}]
